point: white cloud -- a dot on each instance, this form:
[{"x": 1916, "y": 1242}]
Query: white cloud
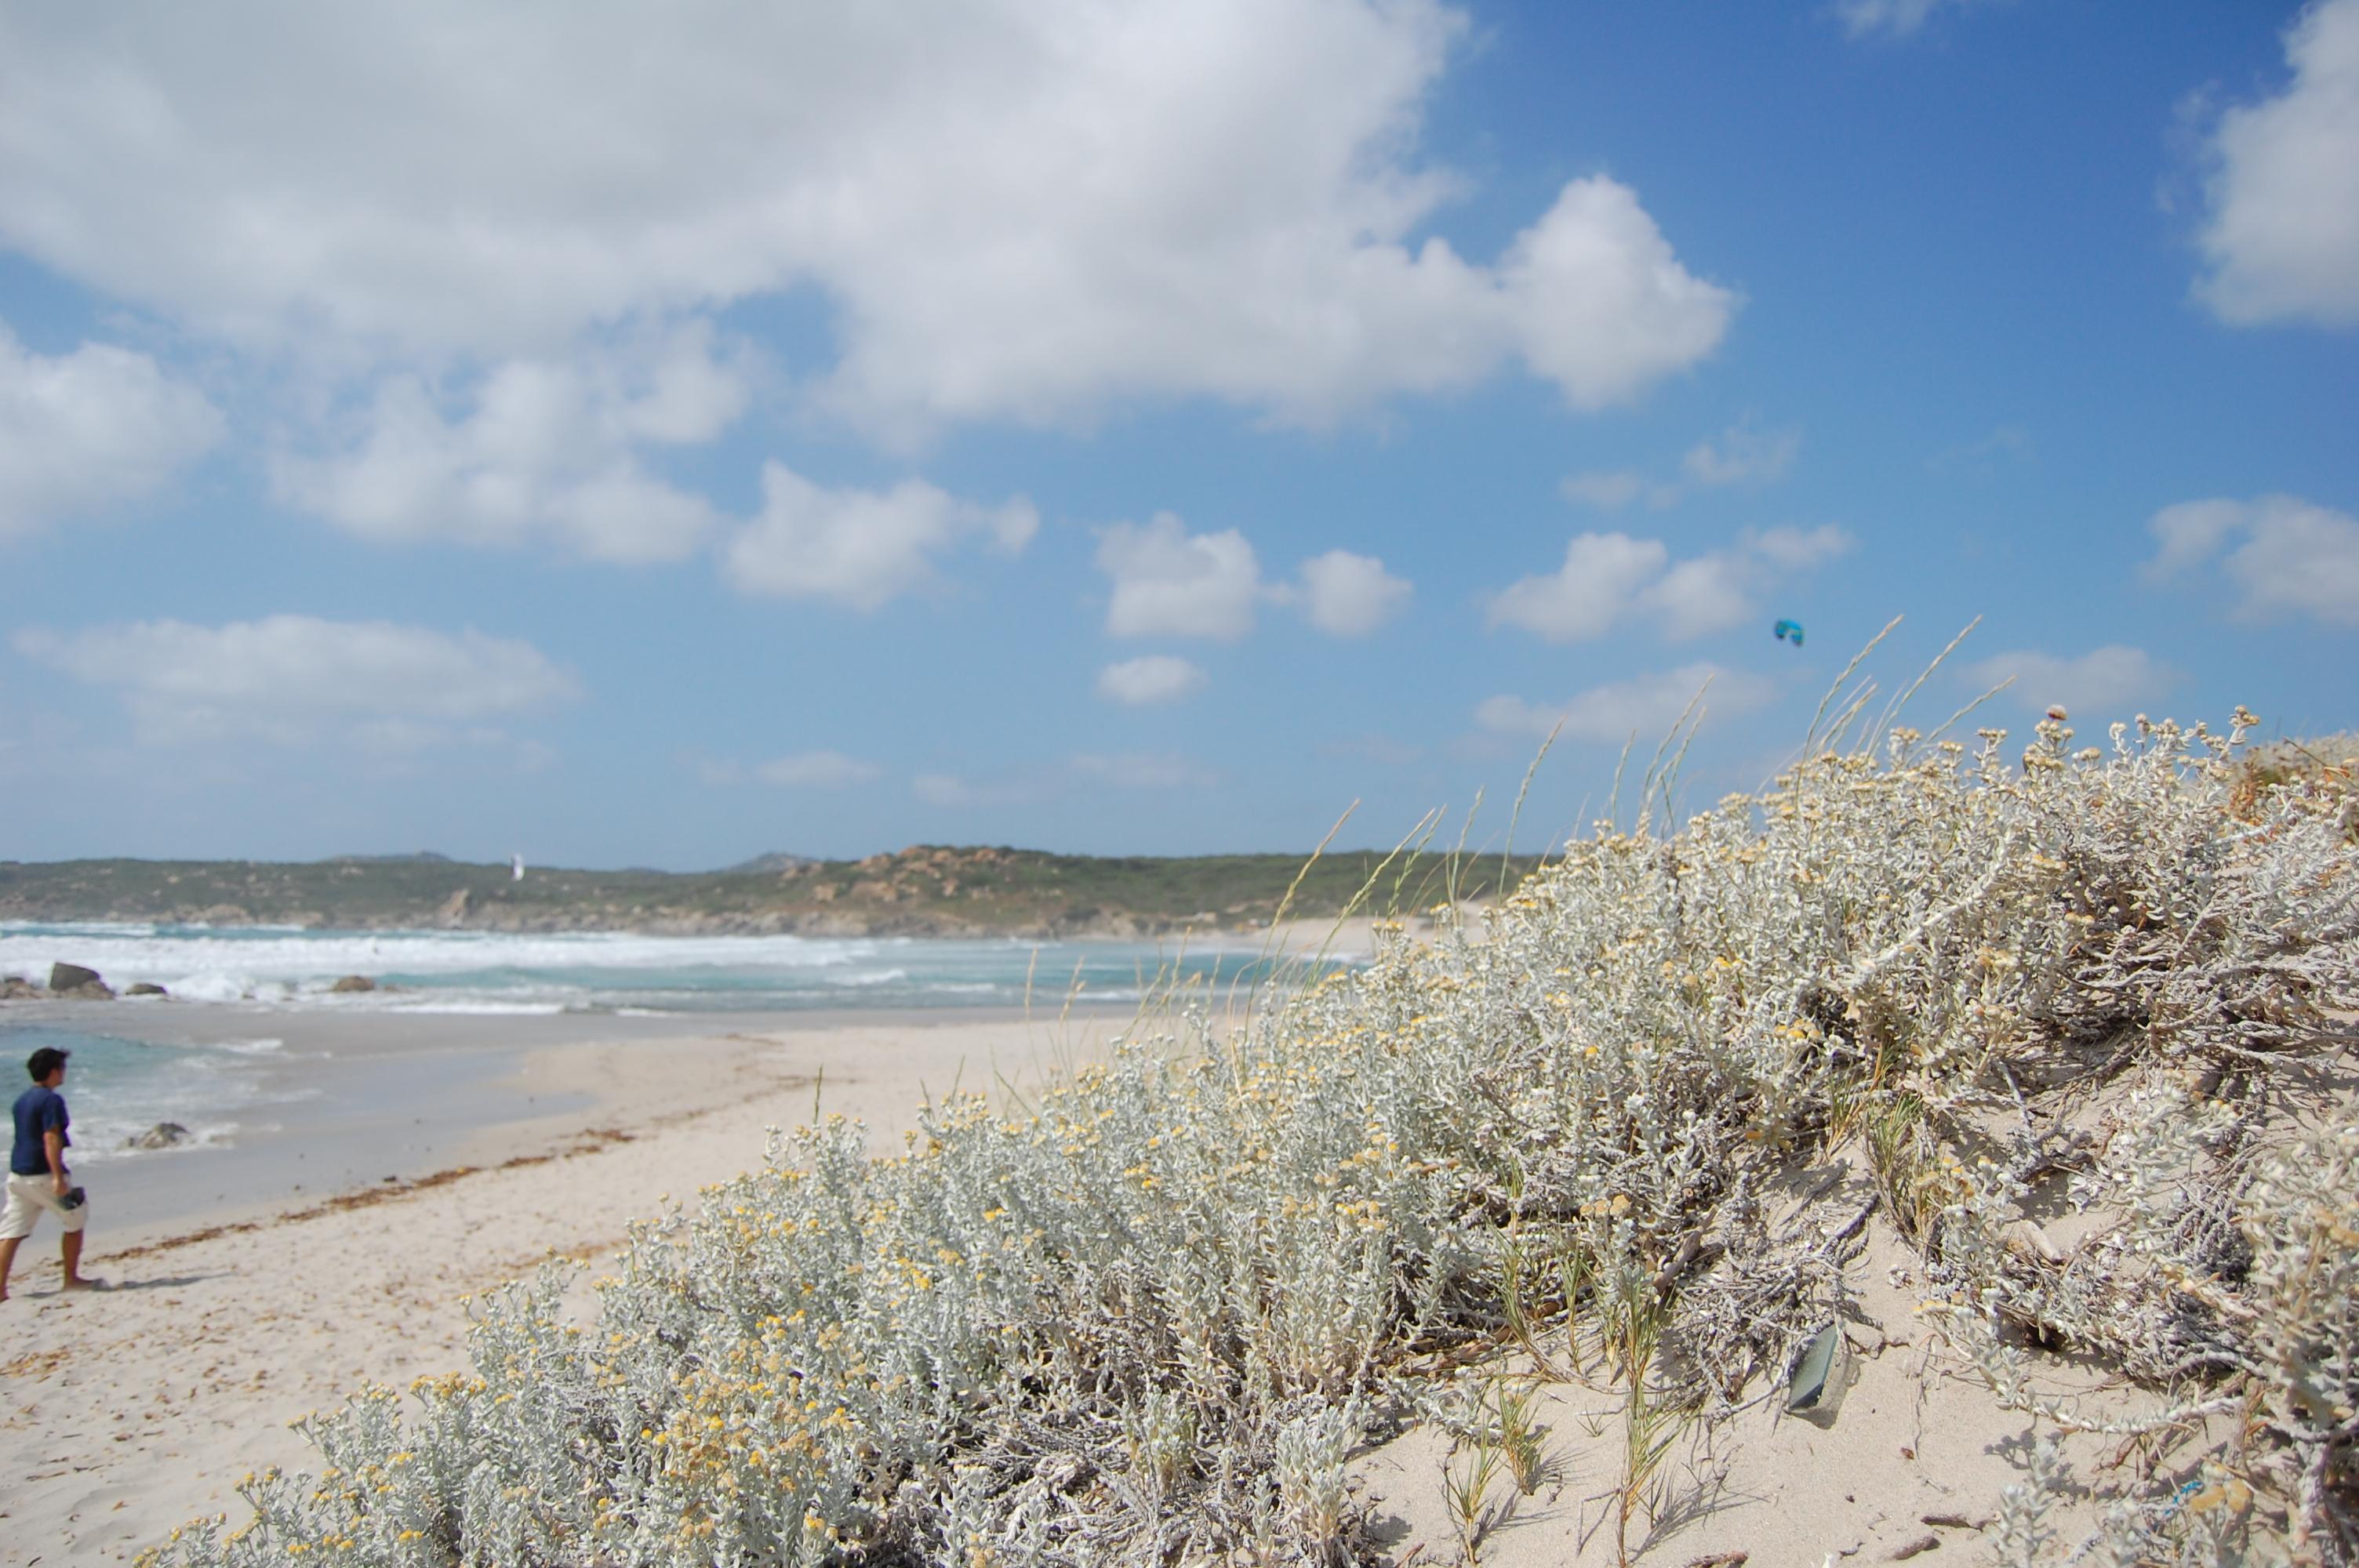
[
  {"x": 84, "y": 431},
  {"x": 1646, "y": 705},
  {"x": 1140, "y": 683},
  {"x": 2102, "y": 684},
  {"x": 1168, "y": 582},
  {"x": 1722, "y": 589},
  {"x": 548, "y": 449},
  {"x": 1696, "y": 598},
  {"x": 1606, "y": 577},
  {"x": 1015, "y": 208},
  {"x": 1606, "y": 490},
  {"x": 817, "y": 770},
  {"x": 2282, "y": 239},
  {"x": 862, "y": 548},
  {"x": 1743, "y": 454},
  {"x": 1582, "y": 599},
  {"x": 297, "y": 680},
  {"x": 1602, "y": 305},
  {"x": 1893, "y": 18},
  {"x": 2289, "y": 556},
  {"x": 1346, "y": 595}
]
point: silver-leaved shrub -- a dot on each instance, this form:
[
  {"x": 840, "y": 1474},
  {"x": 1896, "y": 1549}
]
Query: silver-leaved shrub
[{"x": 1150, "y": 1317}]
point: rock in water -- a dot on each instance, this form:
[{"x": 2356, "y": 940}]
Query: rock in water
[
  {"x": 354, "y": 983},
  {"x": 71, "y": 977},
  {"x": 145, "y": 987},
  {"x": 163, "y": 1135}
]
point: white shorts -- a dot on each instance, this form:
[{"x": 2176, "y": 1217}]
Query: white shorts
[{"x": 29, "y": 1197}]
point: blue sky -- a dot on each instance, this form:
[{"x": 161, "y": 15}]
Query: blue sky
[{"x": 1135, "y": 428}]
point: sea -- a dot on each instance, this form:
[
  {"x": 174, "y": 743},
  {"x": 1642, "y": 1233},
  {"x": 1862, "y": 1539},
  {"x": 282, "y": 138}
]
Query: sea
[{"x": 213, "y": 1054}]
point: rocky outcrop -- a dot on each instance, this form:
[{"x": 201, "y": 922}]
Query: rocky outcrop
[
  {"x": 163, "y": 1135},
  {"x": 145, "y": 987},
  {"x": 353, "y": 983},
  {"x": 78, "y": 983},
  {"x": 16, "y": 988},
  {"x": 455, "y": 908}
]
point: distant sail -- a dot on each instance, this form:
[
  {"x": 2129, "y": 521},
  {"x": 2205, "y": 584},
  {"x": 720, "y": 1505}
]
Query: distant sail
[
  {"x": 1789, "y": 630},
  {"x": 516, "y": 868}
]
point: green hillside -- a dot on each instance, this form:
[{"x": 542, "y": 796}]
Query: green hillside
[{"x": 923, "y": 889}]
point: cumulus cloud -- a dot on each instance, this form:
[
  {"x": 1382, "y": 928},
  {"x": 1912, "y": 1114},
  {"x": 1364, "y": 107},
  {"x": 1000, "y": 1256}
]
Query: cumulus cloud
[
  {"x": 2281, "y": 238},
  {"x": 550, "y": 448},
  {"x": 1014, "y": 209},
  {"x": 1156, "y": 678},
  {"x": 1608, "y": 577},
  {"x": 2102, "y": 684},
  {"x": 2283, "y": 556},
  {"x": 862, "y": 548},
  {"x": 1582, "y": 598},
  {"x": 88, "y": 430},
  {"x": 1645, "y": 705},
  {"x": 1168, "y": 582},
  {"x": 1602, "y": 305},
  {"x": 1346, "y": 595},
  {"x": 297, "y": 680},
  {"x": 816, "y": 770}
]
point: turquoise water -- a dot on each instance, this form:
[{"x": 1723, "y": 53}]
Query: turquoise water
[
  {"x": 479, "y": 971},
  {"x": 117, "y": 1086},
  {"x": 214, "y": 1058}
]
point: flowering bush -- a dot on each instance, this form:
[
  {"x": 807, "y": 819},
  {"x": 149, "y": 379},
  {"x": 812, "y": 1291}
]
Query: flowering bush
[{"x": 1150, "y": 1317}]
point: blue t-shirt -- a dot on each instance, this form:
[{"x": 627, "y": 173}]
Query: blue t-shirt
[{"x": 38, "y": 1110}]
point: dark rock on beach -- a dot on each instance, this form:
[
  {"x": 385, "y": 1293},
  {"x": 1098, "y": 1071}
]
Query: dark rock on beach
[
  {"x": 145, "y": 987},
  {"x": 16, "y": 988},
  {"x": 70, "y": 977},
  {"x": 163, "y": 1135}
]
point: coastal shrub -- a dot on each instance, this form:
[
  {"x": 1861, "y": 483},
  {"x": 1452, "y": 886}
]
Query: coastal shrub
[{"x": 1152, "y": 1316}]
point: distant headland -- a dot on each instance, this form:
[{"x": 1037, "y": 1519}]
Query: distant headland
[{"x": 923, "y": 890}]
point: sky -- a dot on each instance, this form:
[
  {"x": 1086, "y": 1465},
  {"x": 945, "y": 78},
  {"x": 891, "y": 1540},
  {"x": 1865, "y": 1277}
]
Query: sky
[{"x": 658, "y": 436}]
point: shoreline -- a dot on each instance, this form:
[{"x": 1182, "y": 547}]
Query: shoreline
[{"x": 355, "y": 1101}]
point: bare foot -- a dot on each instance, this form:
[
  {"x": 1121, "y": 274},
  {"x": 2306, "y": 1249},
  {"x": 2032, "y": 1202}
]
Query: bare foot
[{"x": 87, "y": 1283}]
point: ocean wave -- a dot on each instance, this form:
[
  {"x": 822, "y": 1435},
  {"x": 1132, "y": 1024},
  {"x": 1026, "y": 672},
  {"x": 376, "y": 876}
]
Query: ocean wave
[
  {"x": 255, "y": 956},
  {"x": 476, "y": 1007},
  {"x": 869, "y": 978}
]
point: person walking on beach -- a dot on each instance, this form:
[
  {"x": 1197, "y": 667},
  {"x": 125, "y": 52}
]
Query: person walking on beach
[{"x": 36, "y": 1171}]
